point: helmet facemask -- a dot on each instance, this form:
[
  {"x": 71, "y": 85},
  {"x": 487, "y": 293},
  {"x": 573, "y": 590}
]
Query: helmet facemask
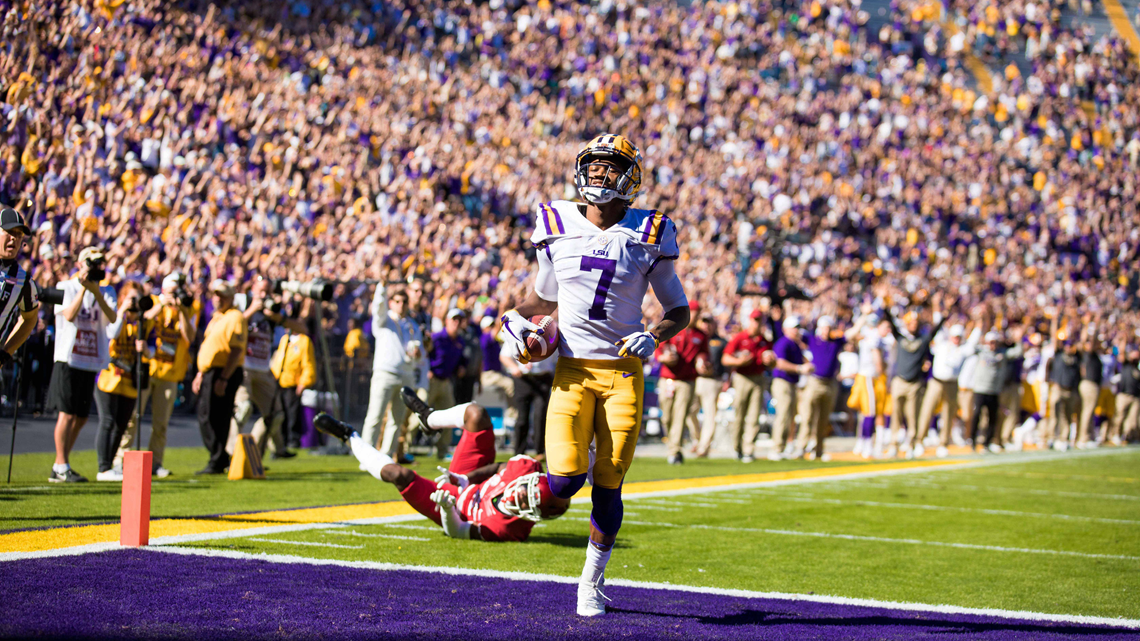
[
  {"x": 614, "y": 170},
  {"x": 523, "y": 498}
]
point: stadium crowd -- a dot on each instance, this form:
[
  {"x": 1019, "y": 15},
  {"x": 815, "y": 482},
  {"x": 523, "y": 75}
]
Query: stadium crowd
[{"x": 363, "y": 141}]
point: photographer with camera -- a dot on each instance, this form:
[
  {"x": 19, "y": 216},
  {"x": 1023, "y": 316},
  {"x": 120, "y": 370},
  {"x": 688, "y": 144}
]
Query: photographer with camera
[
  {"x": 17, "y": 291},
  {"x": 116, "y": 390},
  {"x": 259, "y": 387},
  {"x": 83, "y": 328},
  {"x": 220, "y": 360},
  {"x": 173, "y": 323}
]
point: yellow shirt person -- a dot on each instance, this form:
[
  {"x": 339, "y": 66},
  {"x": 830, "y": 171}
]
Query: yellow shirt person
[
  {"x": 115, "y": 379},
  {"x": 355, "y": 345},
  {"x": 171, "y": 349},
  {"x": 226, "y": 332},
  {"x": 295, "y": 363}
]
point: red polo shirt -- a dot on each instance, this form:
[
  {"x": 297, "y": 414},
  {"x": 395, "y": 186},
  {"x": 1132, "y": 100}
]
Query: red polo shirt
[
  {"x": 690, "y": 344},
  {"x": 756, "y": 345}
]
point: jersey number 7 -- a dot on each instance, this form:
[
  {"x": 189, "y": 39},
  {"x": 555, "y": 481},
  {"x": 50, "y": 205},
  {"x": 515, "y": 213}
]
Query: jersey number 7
[{"x": 608, "y": 267}]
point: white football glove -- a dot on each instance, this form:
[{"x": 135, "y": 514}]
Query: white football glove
[
  {"x": 458, "y": 480},
  {"x": 641, "y": 345},
  {"x": 443, "y": 498},
  {"x": 449, "y": 518},
  {"x": 513, "y": 335}
]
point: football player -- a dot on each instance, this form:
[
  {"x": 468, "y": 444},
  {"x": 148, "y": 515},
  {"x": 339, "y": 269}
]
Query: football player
[
  {"x": 595, "y": 261},
  {"x": 476, "y": 498}
]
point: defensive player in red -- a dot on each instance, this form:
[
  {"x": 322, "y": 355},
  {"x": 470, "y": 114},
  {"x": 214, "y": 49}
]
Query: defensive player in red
[{"x": 475, "y": 498}]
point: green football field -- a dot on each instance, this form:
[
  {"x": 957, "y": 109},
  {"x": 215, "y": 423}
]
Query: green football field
[{"x": 1034, "y": 532}]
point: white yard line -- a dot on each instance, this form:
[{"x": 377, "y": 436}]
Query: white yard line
[
  {"x": 614, "y": 582},
  {"x": 378, "y": 536},
  {"x": 670, "y": 503},
  {"x": 878, "y": 539},
  {"x": 813, "y": 498},
  {"x": 311, "y": 544},
  {"x": 998, "y": 488}
]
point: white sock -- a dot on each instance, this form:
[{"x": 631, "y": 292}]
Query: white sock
[
  {"x": 60, "y": 468},
  {"x": 448, "y": 418},
  {"x": 371, "y": 459},
  {"x": 596, "y": 561}
]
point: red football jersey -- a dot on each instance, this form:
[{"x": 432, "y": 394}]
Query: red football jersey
[{"x": 477, "y": 504}]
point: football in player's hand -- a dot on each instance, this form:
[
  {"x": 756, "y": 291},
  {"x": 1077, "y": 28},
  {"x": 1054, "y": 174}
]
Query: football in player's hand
[{"x": 542, "y": 346}]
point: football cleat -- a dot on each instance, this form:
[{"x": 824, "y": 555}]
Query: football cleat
[
  {"x": 619, "y": 151},
  {"x": 416, "y": 404},
  {"x": 332, "y": 427},
  {"x": 591, "y": 600}
]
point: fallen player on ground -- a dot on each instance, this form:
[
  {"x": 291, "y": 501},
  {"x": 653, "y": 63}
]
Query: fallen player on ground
[{"x": 475, "y": 498}]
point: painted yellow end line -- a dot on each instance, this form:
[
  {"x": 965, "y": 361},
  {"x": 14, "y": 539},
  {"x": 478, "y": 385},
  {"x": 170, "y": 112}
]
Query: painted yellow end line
[{"x": 81, "y": 535}]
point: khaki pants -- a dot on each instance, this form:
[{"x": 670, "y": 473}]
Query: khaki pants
[
  {"x": 164, "y": 394},
  {"x": 904, "y": 404},
  {"x": 1063, "y": 403},
  {"x": 441, "y": 395},
  {"x": 676, "y": 400},
  {"x": 817, "y": 400},
  {"x": 707, "y": 391},
  {"x": 936, "y": 390},
  {"x": 784, "y": 398},
  {"x": 1090, "y": 394},
  {"x": 1010, "y": 401},
  {"x": 385, "y": 407},
  {"x": 746, "y": 418},
  {"x": 1127, "y": 417},
  {"x": 966, "y": 404},
  {"x": 491, "y": 379},
  {"x": 258, "y": 389}
]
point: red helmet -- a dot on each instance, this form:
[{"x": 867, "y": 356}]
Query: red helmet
[{"x": 539, "y": 504}]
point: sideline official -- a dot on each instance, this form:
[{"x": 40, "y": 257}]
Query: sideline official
[{"x": 219, "y": 374}]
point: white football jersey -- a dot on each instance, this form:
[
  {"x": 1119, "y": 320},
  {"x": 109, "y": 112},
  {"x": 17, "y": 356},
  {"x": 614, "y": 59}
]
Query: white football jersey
[{"x": 599, "y": 278}]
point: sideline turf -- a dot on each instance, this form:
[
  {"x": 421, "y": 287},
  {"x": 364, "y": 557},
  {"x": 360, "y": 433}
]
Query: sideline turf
[
  {"x": 305, "y": 481},
  {"x": 833, "y": 566}
]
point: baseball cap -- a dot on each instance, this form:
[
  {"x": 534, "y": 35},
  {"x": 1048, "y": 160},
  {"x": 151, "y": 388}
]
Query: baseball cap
[
  {"x": 90, "y": 253},
  {"x": 172, "y": 280},
  {"x": 455, "y": 312},
  {"x": 957, "y": 331},
  {"x": 756, "y": 314},
  {"x": 993, "y": 337},
  {"x": 10, "y": 220},
  {"x": 792, "y": 322},
  {"x": 486, "y": 322},
  {"x": 694, "y": 305},
  {"x": 222, "y": 288},
  {"x": 825, "y": 321}
]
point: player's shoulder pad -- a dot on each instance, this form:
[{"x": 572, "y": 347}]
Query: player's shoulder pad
[
  {"x": 653, "y": 228},
  {"x": 555, "y": 219}
]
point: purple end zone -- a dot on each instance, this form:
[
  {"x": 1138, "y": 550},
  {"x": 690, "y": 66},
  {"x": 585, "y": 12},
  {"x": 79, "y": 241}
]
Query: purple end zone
[{"x": 139, "y": 594}]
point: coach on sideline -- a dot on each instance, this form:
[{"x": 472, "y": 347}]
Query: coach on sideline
[
  {"x": 219, "y": 374},
  {"x": 398, "y": 346}
]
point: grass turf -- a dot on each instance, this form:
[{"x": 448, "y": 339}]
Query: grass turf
[
  {"x": 1087, "y": 504},
  {"x": 305, "y": 481}
]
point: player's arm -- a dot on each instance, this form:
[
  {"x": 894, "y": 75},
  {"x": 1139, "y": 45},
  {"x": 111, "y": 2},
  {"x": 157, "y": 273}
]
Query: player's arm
[
  {"x": 481, "y": 474},
  {"x": 671, "y": 294},
  {"x": 542, "y": 301},
  {"x": 536, "y": 305},
  {"x": 449, "y": 517}
]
